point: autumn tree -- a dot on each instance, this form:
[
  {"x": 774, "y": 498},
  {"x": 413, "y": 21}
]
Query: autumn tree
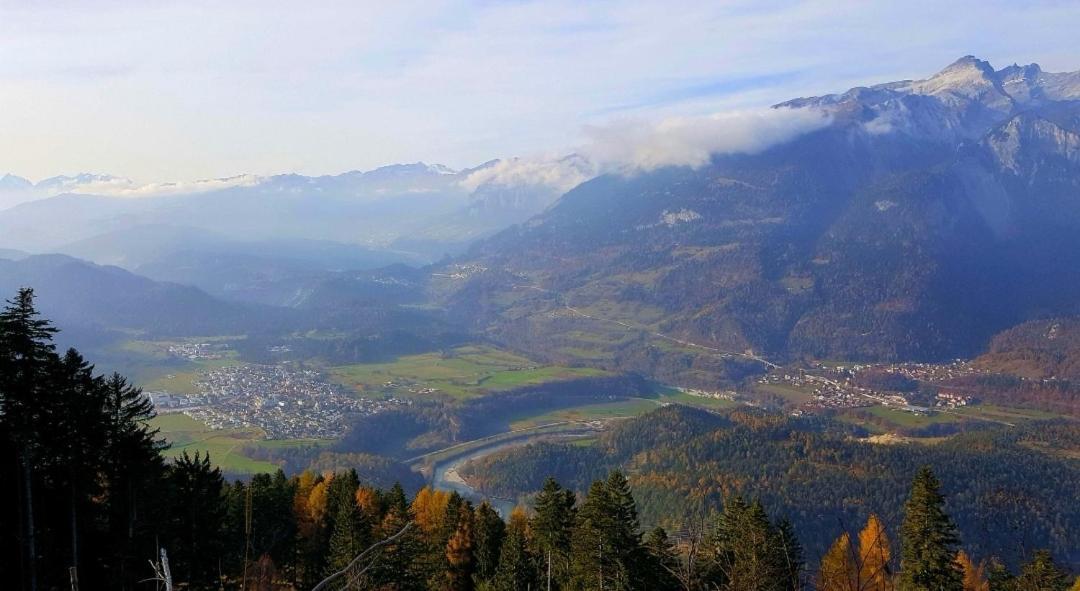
[
  {"x": 974, "y": 574},
  {"x": 875, "y": 556},
  {"x": 460, "y": 561},
  {"x": 839, "y": 570}
]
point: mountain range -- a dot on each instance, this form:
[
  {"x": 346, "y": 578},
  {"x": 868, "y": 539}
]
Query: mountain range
[
  {"x": 428, "y": 210},
  {"x": 925, "y": 217}
]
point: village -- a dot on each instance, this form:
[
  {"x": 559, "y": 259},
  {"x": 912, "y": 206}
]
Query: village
[{"x": 283, "y": 401}]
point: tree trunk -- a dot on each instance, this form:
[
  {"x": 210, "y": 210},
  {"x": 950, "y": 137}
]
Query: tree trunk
[{"x": 28, "y": 504}]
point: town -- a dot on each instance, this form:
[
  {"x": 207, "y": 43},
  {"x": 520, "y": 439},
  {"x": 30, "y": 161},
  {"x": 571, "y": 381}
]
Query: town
[{"x": 284, "y": 401}]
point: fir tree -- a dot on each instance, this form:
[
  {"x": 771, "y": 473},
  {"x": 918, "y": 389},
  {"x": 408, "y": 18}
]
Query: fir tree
[
  {"x": 347, "y": 538},
  {"x": 490, "y": 530},
  {"x": 516, "y": 570},
  {"x": 552, "y": 526},
  {"x": 26, "y": 349},
  {"x": 929, "y": 539}
]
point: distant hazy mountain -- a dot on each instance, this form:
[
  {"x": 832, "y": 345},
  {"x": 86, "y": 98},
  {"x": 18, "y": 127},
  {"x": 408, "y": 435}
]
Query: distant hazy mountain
[
  {"x": 925, "y": 217},
  {"x": 81, "y": 296},
  {"x": 427, "y": 208}
]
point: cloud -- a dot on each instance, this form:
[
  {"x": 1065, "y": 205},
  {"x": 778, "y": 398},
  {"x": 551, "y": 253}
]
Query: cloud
[
  {"x": 630, "y": 146},
  {"x": 561, "y": 174},
  {"x": 692, "y": 141},
  {"x": 110, "y": 186}
]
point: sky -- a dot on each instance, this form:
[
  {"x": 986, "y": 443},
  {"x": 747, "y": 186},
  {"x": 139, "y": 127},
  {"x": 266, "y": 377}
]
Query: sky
[{"x": 158, "y": 91}]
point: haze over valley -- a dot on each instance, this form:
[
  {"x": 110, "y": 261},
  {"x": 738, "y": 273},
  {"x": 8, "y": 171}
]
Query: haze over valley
[{"x": 712, "y": 312}]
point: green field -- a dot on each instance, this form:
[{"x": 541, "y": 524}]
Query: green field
[
  {"x": 465, "y": 372},
  {"x": 589, "y": 412},
  {"x": 685, "y": 399},
  {"x": 224, "y": 445},
  {"x": 789, "y": 393}
]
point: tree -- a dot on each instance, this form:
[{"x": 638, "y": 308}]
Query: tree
[
  {"x": 516, "y": 568},
  {"x": 490, "y": 531},
  {"x": 875, "y": 555},
  {"x": 460, "y": 560},
  {"x": 928, "y": 539},
  {"x": 662, "y": 563},
  {"x": 1041, "y": 574},
  {"x": 347, "y": 537},
  {"x": 790, "y": 554},
  {"x": 974, "y": 577},
  {"x": 26, "y": 349},
  {"x": 838, "y": 571},
  {"x": 552, "y": 526},
  {"x": 747, "y": 551},
  {"x": 196, "y": 508}
]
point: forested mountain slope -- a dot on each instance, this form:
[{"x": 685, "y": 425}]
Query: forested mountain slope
[{"x": 879, "y": 237}]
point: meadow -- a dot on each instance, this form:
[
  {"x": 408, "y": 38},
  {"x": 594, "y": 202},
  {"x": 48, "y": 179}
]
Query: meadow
[{"x": 461, "y": 373}]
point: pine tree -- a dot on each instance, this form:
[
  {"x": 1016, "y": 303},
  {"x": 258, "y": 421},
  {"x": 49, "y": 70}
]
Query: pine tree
[
  {"x": 347, "y": 536},
  {"x": 516, "y": 570},
  {"x": 875, "y": 554},
  {"x": 747, "y": 551},
  {"x": 929, "y": 539},
  {"x": 26, "y": 349},
  {"x": 196, "y": 512},
  {"x": 790, "y": 555},
  {"x": 998, "y": 577},
  {"x": 552, "y": 527},
  {"x": 838, "y": 571},
  {"x": 662, "y": 561},
  {"x": 490, "y": 532}
]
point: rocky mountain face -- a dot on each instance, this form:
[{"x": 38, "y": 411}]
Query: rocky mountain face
[{"x": 926, "y": 217}]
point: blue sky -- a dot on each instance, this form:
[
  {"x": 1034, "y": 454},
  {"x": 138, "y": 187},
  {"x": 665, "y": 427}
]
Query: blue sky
[{"x": 156, "y": 91}]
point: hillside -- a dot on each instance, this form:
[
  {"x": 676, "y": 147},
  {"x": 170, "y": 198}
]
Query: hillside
[
  {"x": 875, "y": 238},
  {"x": 685, "y": 462}
]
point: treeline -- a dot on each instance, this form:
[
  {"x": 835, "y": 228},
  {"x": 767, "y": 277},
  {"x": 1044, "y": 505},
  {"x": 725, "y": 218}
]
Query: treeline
[{"x": 1009, "y": 489}]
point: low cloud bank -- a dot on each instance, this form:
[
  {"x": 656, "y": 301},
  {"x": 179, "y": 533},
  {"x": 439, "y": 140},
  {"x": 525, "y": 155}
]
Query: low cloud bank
[
  {"x": 116, "y": 187},
  {"x": 692, "y": 141},
  {"x": 633, "y": 146}
]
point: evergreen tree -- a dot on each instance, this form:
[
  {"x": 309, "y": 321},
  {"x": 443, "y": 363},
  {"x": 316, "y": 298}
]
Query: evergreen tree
[
  {"x": 790, "y": 555},
  {"x": 552, "y": 526},
  {"x": 516, "y": 570},
  {"x": 1041, "y": 574},
  {"x": 606, "y": 544},
  {"x": 662, "y": 561},
  {"x": 748, "y": 552},
  {"x": 347, "y": 536},
  {"x": 928, "y": 539},
  {"x": 26, "y": 350},
  {"x": 132, "y": 469},
  {"x": 998, "y": 577},
  {"x": 490, "y": 532},
  {"x": 196, "y": 508}
]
